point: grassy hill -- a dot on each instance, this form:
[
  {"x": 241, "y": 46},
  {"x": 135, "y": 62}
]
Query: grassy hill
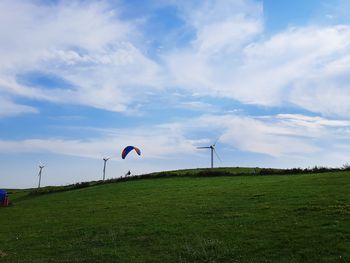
[{"x": 289, "y": 218}]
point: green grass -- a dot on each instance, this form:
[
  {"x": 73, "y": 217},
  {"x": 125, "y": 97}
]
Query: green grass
[
  {"x": 299, "y": 218},
  {"x": 201, "y": 172}
]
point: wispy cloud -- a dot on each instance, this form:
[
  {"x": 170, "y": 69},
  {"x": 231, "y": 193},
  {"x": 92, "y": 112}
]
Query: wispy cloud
[
  {"x": 104, "y": 58},
  {"x": 221, "y": 29},
  {"x": 304, "y": 66},
  {"x": 10, "y": 108},
  {"x": 277, "y": 136},
  {"x": 85, "y": 44},
  {"x": 155, "y": 142}
]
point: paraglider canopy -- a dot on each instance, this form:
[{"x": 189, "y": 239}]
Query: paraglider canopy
[{"x": 128, "y": 149}]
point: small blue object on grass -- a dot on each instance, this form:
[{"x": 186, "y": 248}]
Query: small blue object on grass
[{"x": 3, "y": 195}]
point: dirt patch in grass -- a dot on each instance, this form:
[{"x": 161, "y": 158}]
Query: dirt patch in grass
[{"x": 2, "y": 254}]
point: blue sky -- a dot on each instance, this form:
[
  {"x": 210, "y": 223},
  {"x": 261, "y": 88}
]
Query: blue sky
[{"x": 80, "y": 80}]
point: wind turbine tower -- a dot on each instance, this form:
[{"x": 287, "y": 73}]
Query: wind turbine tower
[
  {"x": 41, "y": 166},
  {"x": 105, "y": 159},
  {"x": 212, "y": 151}
]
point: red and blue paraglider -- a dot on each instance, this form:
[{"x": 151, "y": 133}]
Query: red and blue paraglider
[{"x": 128, "y": 149}]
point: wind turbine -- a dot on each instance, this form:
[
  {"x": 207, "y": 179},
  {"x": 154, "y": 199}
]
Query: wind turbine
[
  {"x": 41, "y": 166},
  {"x": 105, "y": 159},
  {"x": 212, "y": 151}
]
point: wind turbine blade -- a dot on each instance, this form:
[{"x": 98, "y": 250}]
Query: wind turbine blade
[
  {"x": 41, "y": 164},
  {"x": 217, "y": 155},
  {"x": 216, "y": 141},
  {"x": 204, "y": 147}
]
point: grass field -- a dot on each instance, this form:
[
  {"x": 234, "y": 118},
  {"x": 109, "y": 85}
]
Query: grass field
[{"x": 290, "y": 218}]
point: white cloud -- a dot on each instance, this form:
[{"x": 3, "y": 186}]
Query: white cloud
[
  {"x": 9, "y": 108},
  {"x": 86, "y": 44},
  {"x": 35, "y": 28},
  {"x": 230, "y": 57},
  {"x": 103, "y": 57},
  {"x": 266, "y": 136},
  {"x": 221, "y": 29},
  {"x": 198, "y": 106},
  {"x": 310, "y": 121},
  {"x": 223, "y": 26},
  {"x": 274, "y": 70},
  {"x": 155, "y": 142},
  {"x": 280, "y": 136}
]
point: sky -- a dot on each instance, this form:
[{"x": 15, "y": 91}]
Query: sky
[{"x": 80, "y": 80}]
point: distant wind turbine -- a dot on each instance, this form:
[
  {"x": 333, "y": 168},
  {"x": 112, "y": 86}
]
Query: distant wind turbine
[
  {"x": 105, "y": 159},
  {"x": 212, "y": 151},
  {"x": 41, "y": 166}
]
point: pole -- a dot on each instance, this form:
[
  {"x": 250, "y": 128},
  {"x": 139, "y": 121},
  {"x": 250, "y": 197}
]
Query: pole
[
  {"x": 212, "y": 157},
  {"x": 104, "y": 169},
  {"x": 39, "y": 177}
]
